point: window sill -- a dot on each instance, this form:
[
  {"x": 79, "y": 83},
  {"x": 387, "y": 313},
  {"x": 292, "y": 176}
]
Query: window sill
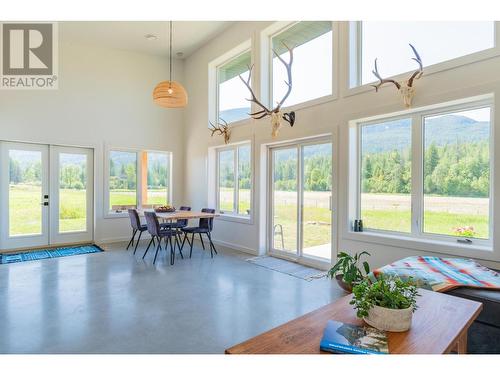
[
  {"x": 236, "y": 218},
  {"x": 311, "y": 103},
  {"x": 424, "y": 244},
  {"x": 117, "y": 215},
  {"x": 429, "y": 70}
]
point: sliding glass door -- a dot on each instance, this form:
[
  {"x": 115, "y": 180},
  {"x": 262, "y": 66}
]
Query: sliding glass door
[
  {"x": 300, "y": 191},
  {"x": 46, "y": 195}
]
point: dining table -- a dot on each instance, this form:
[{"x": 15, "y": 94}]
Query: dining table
[{"x": 181, "y": 215}]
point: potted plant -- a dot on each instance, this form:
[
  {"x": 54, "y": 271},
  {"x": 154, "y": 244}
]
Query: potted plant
[
  {"x": 346, "y": 271},
  {"x": 387, "y": 304}
]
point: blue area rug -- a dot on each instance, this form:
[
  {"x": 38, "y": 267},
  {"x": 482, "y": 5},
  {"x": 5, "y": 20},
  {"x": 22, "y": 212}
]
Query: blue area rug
[{"x": 26, "y": 256}]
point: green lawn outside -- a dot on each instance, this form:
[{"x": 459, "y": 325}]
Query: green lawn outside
[
  {"x": 434, "y": 222},
  {"x": 129, "y": 197},
  {"x": 25, "y": 216}
]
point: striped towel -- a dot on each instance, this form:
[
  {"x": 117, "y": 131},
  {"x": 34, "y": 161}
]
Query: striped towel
[{"x": 441, "y": 274}]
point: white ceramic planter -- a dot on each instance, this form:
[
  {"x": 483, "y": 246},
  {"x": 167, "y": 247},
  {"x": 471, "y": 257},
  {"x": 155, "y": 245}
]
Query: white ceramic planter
[{"x": 389, "y": 319}]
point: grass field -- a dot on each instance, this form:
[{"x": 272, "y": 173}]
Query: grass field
[
  {"x": 25, "y": 208},
  {"x": 384, "y": 212}
]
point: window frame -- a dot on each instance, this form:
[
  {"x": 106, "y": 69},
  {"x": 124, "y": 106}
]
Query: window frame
[
  {"x": 266, "y": 47},
  {"x": 417, "y": 236},
  {"x": 108, "y": 213},
  {"x": 234, "y": 214},
  {"x": 213, "y": 80},
  {"x": 354, "y": 84}
]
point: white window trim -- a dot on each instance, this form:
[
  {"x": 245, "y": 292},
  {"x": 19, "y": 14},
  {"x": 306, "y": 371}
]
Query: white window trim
[
  {"x": 354, "y": 63},
  {"x": 234, "y": 216},
  {"x": 267, "y": 59},
  {"x": 109, "y": 214},
  {"x": 481, "y": 249},
  {"x": 213, "y": 80}
]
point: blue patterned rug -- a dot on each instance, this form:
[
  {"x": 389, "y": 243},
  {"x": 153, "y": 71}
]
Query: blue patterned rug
[{"x": 48, "y": 253}]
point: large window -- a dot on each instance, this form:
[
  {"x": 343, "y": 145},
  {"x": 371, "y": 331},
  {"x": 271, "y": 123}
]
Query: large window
[
  {"x": 138, "y": 179},
  {"x": 457, "y": 173},
  {"x": 232, "y": 103},
  {"x": 386, "y": 175},
  {"x": 436, "y": 42},
  {"x": 234, "y": 180},
  {"x": 448, "y": 156},
  {"x": 122, "y": 180},
  {"x": 312, "y": 62}
]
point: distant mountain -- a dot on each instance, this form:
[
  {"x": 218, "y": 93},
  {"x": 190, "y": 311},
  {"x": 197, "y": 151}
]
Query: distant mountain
[
  {"x": 440, "y": 130},
  {"x": 235, "y": 114}
]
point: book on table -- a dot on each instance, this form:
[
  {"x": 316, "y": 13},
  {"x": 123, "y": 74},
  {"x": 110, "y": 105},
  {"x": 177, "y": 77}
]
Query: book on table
[{"x": 343, "y": 338}]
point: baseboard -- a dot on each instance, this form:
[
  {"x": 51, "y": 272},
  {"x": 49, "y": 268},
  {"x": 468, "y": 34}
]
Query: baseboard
[
  {"x": 223, "y": 244},
  {"x": 230, "y": 246}
]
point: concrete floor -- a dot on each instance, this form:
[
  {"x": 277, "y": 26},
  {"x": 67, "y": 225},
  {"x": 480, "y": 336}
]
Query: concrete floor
[{"x": 114, "y": 302}]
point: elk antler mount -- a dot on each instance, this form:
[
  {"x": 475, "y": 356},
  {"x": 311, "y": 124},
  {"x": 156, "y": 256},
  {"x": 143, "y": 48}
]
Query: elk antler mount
[
  {"x": 222, "y": 128},
  {"x": 405, "y": 88},
  {"x": 276, "y": 114}
]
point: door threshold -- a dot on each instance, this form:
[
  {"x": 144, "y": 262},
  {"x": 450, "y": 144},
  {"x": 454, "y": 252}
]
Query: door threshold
[{"x": 305, "y": 261}]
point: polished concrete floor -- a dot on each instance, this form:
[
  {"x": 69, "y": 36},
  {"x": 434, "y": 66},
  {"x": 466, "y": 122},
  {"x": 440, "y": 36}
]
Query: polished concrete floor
[{"x": 115, "y": 302}]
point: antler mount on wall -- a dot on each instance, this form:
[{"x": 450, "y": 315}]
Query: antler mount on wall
[
  {"x": 405, "y": 88},
  {"x": 222, "y": 128},
  {"x": 276, "y": 114}
]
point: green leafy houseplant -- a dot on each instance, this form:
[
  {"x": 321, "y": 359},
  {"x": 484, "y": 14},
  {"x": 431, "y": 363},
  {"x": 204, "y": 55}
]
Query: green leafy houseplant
[
  {"x": 347, "y": 270},
  {"x": 389, "y": 292}
]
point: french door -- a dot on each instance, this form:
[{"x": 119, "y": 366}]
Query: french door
[
  {"x": 46, "y": 195},
  {"x": 300, "y": 223}
]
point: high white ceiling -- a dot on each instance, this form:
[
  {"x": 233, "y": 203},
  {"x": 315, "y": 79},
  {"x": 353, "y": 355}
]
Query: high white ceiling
[{"x": 130, "y": 35}]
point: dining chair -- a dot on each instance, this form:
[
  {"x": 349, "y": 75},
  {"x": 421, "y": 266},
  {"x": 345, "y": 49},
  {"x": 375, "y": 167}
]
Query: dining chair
[
  {"x": 177, "y": 226},
  {"x": 205, "y": 226},
  {"x": 156, "y": 231},
  {"x": 135, "y": 222}
]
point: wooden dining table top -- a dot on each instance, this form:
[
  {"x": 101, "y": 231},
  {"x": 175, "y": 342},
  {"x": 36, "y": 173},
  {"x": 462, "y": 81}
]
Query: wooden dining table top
[{"x": 182, "y": 215}]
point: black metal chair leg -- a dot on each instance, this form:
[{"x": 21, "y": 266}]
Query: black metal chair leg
[
  {"x": 172, "y": 251},
  {"x": 202, "y": 243},
  {"x": 184, "y": 241},
  {"x": 191, "y": 243},
  {"x": 149, "y": 244},
  {"x": 148, "y": 247},
  {"x": 131, "y": 242},
  {"x": 212, "y": 246},
  {"x": 178, "y": 244},
  {"x": 157, "y": 249},
  {"x": 137, "y": 242}
]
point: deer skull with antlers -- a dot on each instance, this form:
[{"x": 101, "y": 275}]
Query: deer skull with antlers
[
  {"x": 222, "y": 128},
  {"x": 276, "y": 114},
  {"x": 405, "y": 88}
]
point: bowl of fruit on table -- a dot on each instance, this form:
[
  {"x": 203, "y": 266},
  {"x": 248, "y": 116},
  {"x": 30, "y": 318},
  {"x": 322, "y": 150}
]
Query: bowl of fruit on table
[{"x": 165, "y": 209}]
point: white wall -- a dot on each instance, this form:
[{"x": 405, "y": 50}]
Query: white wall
[
  {"x": 331, "y": 117},
  {"x": 104, "y": 99}
]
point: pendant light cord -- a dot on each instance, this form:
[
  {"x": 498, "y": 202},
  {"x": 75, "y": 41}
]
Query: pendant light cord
[{"x": 170, "y": 53}]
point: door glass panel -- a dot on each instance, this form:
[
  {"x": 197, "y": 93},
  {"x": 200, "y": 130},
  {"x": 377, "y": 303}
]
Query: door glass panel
[
  {"x": 285, "y": 199},
  {"x": 317, "y": 187},
  {"x": 72, "y": 192},
  {"x": 25, "y": 193},
  {"x": 226, "y": 181}
]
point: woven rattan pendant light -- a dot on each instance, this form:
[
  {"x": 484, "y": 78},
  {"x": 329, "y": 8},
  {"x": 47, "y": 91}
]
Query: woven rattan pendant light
[{"x": 170, "y": 94}]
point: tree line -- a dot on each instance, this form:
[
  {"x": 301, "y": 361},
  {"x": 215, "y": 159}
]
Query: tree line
[{"x": 459, "y": 169}]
